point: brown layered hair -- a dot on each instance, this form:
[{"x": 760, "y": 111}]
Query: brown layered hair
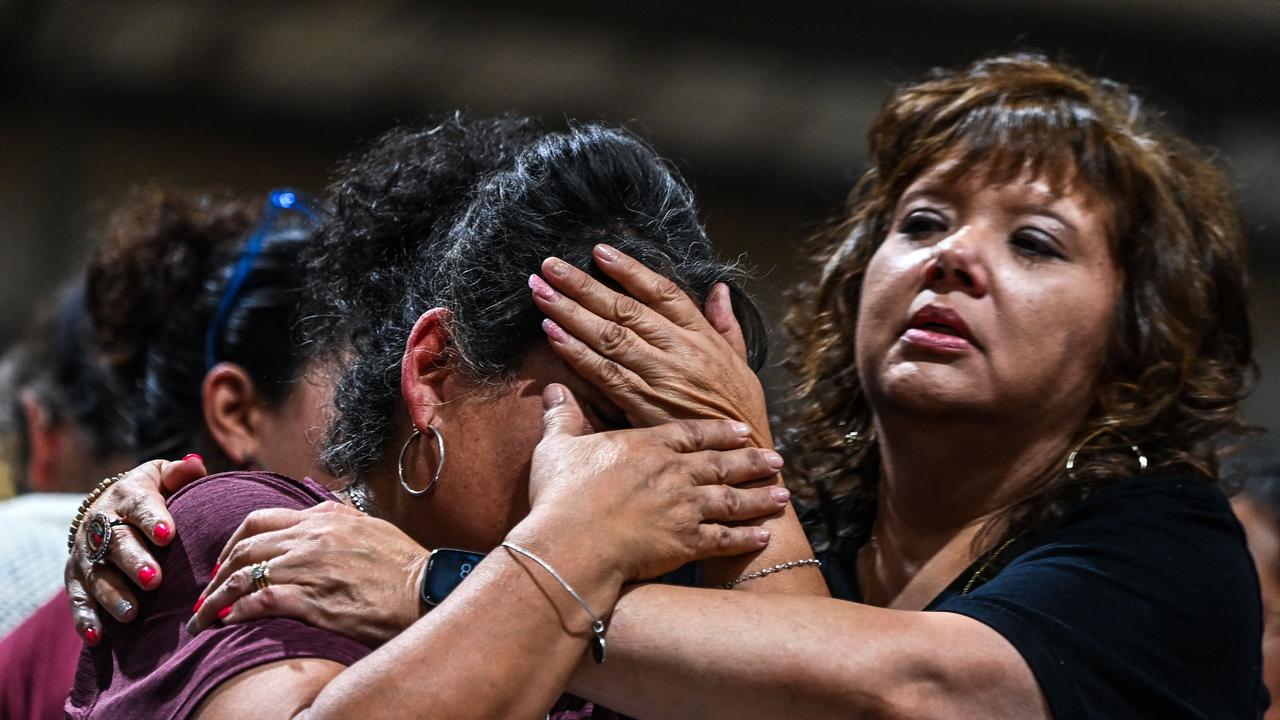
[{"x": 1179, "y": 360}]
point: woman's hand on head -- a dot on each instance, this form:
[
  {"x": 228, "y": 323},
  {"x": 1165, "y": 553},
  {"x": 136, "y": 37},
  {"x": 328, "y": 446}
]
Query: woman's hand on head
[
  {"x": 653, "y": 352},
  {"x": 330, "y": 566},
  {"x": 647, "y": 501},
  {"x": 139, "y": 500}
]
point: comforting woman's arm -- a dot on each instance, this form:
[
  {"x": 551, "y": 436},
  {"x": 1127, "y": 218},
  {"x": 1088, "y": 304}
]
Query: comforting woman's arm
[
  {"x": 505, "y": 641},
  {"x": 681, "y": 652},
  {"x": 503, "y": 645}
]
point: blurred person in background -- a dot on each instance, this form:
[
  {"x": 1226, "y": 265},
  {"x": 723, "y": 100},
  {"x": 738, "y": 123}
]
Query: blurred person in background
[
  {"x": 1258, "y": 507},
  {"x": 236, "y": 392},
  {"x": 62, "y": 425},
  {"x": 193, "y": 299}
]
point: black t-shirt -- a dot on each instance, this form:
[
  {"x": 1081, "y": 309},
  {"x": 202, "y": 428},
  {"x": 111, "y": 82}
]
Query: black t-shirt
[{"x": 1142, "y": 602}]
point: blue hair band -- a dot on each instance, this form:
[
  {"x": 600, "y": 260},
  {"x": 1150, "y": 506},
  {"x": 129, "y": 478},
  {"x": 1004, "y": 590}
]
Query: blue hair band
[{"x": 277, "y": 201}]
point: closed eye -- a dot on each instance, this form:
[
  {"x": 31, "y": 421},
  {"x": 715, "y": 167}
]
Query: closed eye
[
  {"x": 1035, "y": 244},
  {"x": 920, "y": 223}
]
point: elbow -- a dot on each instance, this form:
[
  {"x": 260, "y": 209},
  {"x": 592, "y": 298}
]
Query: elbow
[{"x": 943, "y": 691}]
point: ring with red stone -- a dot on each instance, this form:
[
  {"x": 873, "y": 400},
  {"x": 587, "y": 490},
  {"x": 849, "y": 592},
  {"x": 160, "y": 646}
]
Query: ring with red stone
[{"x": 97, "y": 537}]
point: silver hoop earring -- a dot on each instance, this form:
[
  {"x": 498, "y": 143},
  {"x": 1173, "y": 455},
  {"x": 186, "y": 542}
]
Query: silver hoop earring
[
  {"x": 1137, "y": 451},
  {"x": 435, "y": 478}
]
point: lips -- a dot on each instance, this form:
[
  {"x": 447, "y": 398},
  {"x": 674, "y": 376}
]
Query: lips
[{"x": 939, "y": 328}]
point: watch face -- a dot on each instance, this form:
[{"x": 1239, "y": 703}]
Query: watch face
[{"x": 446, "y": 568}]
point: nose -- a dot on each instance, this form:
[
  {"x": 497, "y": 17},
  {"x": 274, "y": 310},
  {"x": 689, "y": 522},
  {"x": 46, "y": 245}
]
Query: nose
[{"x": 956, "y": 265}]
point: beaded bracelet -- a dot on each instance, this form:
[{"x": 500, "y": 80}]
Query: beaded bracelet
[
  {"x": 768, "y": 571},
  {"x": 89, "y": 499}
]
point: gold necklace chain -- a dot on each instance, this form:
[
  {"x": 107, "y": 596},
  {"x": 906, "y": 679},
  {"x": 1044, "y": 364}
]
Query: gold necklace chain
[
  {"x": 873, "y": 543},
  {"x": 974, "y": 578}
]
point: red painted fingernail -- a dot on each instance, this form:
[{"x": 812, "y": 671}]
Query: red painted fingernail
[
  {"x": 192, "y": 456},
  {"x": 216, "y": 566},
  {"x": 146, "y": 574},
  {"x": 91, "y": 635},
  {"x": 606, "y": 253},
  {"x": 199, "y": 602},
  {"x": 541, "y": 288},
  {"x": 553, "y": 331},
  {"x": 161, "y": 531},
  {"x": 224, "y": 612}
]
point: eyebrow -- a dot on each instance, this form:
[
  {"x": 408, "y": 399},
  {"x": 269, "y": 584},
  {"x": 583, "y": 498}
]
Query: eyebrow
[
  {"x": 937, "y": 193},
  {"x": 1042, "y": 210}
]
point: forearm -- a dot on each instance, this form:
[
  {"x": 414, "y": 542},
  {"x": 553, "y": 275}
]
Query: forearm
[
  {"x": 503, "y": 645},
  {"x": 679, "y": 652},
  {"x": 787, "y": 542}
]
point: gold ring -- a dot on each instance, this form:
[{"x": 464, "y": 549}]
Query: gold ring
[{"x": 261, "y": 575}]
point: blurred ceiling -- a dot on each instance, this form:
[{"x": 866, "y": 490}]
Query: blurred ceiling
[{"x": 775, "y": 96}]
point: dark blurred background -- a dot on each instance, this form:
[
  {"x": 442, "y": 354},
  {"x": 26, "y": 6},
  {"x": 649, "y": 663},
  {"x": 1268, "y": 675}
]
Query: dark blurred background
[{"x": 765, "y": 110}]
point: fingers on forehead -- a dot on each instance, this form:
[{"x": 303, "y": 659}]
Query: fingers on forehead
[{"x": 655, "y": 290}]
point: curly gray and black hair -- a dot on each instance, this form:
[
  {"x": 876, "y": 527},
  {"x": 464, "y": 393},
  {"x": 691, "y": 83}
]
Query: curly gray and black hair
[{"x": 459, "y": 216}]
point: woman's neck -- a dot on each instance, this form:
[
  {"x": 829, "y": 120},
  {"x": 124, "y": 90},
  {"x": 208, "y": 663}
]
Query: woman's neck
[{"x": 941, "y": 482}]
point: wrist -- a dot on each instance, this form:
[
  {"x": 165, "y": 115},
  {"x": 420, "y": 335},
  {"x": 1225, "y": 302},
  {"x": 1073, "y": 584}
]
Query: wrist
[
  {"x": 586, "y": 566},
  {"x": 417, "y": 570}
]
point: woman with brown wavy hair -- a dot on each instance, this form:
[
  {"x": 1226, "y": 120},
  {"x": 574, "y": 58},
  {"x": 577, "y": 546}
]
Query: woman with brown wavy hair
[
  {"x": 1025, "y": 345},
  {"x": 1026, "y": 341}
]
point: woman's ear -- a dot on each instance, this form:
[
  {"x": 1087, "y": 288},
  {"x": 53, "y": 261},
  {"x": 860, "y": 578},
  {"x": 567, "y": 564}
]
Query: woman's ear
[
  {"x": 45, "y": 439},
  {"x": 232, "y": 412},
  {"x": 426, "y": 366}
]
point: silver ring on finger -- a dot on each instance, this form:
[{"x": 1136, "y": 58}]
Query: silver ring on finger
[
  {"x": 261, "y": 575},
  {"x": 98, "y": 536}
]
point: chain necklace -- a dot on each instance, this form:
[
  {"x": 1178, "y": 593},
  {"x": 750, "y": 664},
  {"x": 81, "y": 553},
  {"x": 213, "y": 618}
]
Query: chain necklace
[
  {"x": 976, "y": 573},
  {"x": 874, "y": 544},
  {"x": 359, "y": 499}
]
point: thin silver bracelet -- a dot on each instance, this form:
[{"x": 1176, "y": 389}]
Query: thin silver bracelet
[
  {"x": 768, "y": 571},
  {"x": 597, "y": 625}
]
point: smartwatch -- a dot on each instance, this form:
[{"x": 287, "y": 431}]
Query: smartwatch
[{"x": 446, "y": 569}]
